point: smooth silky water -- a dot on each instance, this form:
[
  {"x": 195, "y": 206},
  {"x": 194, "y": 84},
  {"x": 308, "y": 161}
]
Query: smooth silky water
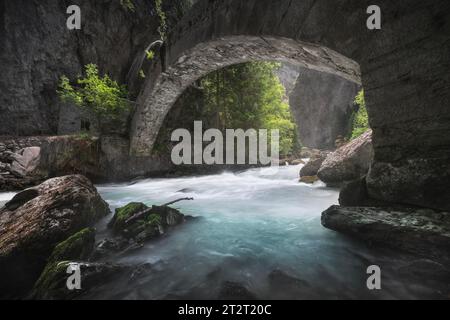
[{"x": 259, "y": 230}]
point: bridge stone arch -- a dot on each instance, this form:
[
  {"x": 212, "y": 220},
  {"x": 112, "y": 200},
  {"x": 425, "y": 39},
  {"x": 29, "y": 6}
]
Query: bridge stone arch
[
  {"x": 159, "y": 96},
  {"x": 404, "y": 70}
]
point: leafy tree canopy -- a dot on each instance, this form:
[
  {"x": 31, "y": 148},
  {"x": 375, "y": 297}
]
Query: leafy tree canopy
[{"x": 249, "y": 96}]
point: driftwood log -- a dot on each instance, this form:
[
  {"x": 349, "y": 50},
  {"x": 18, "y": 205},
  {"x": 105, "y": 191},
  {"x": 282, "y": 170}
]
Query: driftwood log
[{"x": 144, "y": 213}]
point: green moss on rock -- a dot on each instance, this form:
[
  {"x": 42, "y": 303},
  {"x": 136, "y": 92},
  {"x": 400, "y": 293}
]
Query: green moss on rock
[
  {"x": 77, "y": 247},
  {"x": 149, "y": 226},
  {"x": 52, "y": 281},
  {"x": 122, "y": 214},
  {"x": 154, "y": 220}
]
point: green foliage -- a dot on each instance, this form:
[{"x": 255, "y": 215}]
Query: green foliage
[
  {"x": 100, "y": 95},
  {"x": 162, "y": 19},
  {"x": 141, "y": 74},
  {"x": 361, "y": 119},
  {"x": 249, "y": 96},
  {"x": 150, "y": 55},
  {"x": 128, "y": 5}
]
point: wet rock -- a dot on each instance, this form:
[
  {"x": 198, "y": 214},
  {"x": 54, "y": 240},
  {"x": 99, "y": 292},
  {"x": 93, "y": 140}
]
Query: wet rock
[
  {"x": 425, "y": 233},
  {"x": 426, "y": 269},
  {"x": 53, "y": 285},
  {"x": 108, "y": 247},
  {"x": 415, "y": 181},
  {"x": 312, "y": 167},
  {"x": 139, "y": 272},
  {"x": 118, "y": 222},
  {"x": 64, "y": 206},
  {"x": 355, "y": 194},
  {"x": 282, "y": 283},
  {"x": 309, "y": 153},
  {"x": 309, "y": 179},
  {"x": 150, "y": 225},
  {"x": 296, "y": 162},
  {"x": 77, "y": 247},
  {"x": 21, "y": 198},
  {"x": 235, "y": 291},
  {"x": 169, "y": 217},
  {"x": 348, "y": 163}
]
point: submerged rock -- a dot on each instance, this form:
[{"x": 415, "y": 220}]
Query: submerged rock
[
  {"x": 32, "y": 228},
  {"x": 422, "y": 232},
  {"x": 235, "y": 291},
  {"x": 348, "y": 163},
  {"x": 309, "y": 179},
  {"x": 283, "y": 286}
]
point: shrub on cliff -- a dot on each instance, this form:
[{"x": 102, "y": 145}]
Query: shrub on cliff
[{"x": 99, "y": 95}]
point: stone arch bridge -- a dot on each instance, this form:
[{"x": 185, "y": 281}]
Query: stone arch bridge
[{"x": 403, "y": 68}]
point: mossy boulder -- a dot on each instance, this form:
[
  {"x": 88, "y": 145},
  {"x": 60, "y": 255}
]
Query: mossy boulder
[
  {"x": 93, "y": 275},
  {"x": 77, "y": 247},
  {"x": 121, "y": 215},
  {"x": 152, "y": 224}
]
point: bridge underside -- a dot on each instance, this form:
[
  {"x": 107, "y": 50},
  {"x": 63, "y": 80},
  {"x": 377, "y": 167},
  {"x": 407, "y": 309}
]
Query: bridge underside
[
  {"x": 404, "y": 71},
  {"x": 158, "y": 98}
]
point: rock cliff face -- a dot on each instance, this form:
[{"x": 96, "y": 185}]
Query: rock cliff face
[
  {"x": 322, "y": 105},
  {"x": 37, "y": 48},
  {"x": 27, "y": 161}
]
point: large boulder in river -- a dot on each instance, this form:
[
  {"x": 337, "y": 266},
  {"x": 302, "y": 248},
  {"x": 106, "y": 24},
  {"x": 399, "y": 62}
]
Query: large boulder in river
[
  {"x": 348, "y": 163},
  {"x": 312, "y": 167},
  {"x": 36, "y": 220},
  {"x": 151, "y": 223},
  {"x": 423, "y": 232}
]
